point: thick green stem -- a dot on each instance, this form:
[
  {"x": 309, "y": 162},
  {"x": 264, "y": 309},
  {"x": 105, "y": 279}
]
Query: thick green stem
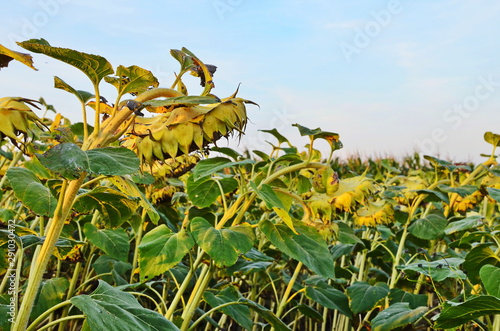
[
  {"x": 286, "y": 295},
  {"x": 54, "y": 228},
  {"x": 196, "y": 295},
  {"x": 394, "y": 275},
  {"x": 182, "y": 289}
]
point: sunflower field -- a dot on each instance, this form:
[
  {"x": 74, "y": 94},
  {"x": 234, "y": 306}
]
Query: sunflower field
[{"x": 138, "y": 220}]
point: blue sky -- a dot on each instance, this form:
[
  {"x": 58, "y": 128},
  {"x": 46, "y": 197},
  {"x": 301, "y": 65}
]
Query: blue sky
[{"x": 390, "y": 77}]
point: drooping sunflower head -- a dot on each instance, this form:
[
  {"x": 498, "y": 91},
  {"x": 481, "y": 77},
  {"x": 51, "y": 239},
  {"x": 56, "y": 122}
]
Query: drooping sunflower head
[
  {"x": 374, "y": 213},
  {"x": 351, "y": 191},
  {"x": 15, "y": 118},
  {"x": 410, "y": 185},
  {"x": 184, "y": 129}
]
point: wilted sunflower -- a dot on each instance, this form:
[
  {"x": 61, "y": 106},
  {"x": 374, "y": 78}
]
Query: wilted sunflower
[
  {"x": 15, "y": 116},
  {"x": 184, "y": 129},
  {"x": 350, "y": 191},
  {"x": 379, "y": 212},
  {"x": 463, "y": 204},
  {"x": 410, "y": 184}
]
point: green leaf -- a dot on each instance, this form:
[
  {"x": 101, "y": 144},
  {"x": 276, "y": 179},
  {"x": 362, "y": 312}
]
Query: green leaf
[
  {"x": 364, "y": 297},
  {"x": 414, "y": 300},
  {"x": 346, "y": 234},
  {"x": 223, "y": 245},
  {"x": 477, "y": 257},
  {"x": 132, "y": 79},
  {"x": 128, "y": 187},
  {"x": 66, "y": 159},
  {"x": 456, "y": 314},
  {"x": 115, "y": 208},
  {"x": 428, "y": 228},
  {"x": 440, "y": 163},
  {"x": 397, "y": 315},
  {"x": 331, "y": 137},
  {"x": 52, "y": 291},
  {"x": 83, "y": 96},
  {"x": 308, "y": 246},
  {"x": 329, "y": 297},
  {"x": 7, "y": 55},
  {"x": 438, "y": 270},
  {"x": 266, "y": 314},
  {"x": 161, "y": 250},
  {"x": 463, "y": 191},
  {"x": 94, "y": 66},
  {"x": 113, "y": 161},
  {"x": 108, "y": 308},
  {"x": 494, "y": 193},
  {"x": 210, "y": 166},
  {"x": 120, "y": 271},
  {"x": 239, "y": 313},
  {"x": 434, "y": 195},
  {"x": 113, "y": 242},
  {"x": 267, "y": 194},
  {"x": 471, "y": 222},
  {"x": 490, "y": 276},
  {"x": 281, "y": 139},
  {"x": 185, "y": 60},
  {"x": 9, "y": 316},
  {"x": 31, "y": 192},
  {"x": 492, "y": 138},
  {"x": 228, "y": 151},
  {"x": 202, "y": 192}
]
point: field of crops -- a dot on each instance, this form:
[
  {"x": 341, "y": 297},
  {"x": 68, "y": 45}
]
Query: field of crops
[{"x": 129, "y": 224}]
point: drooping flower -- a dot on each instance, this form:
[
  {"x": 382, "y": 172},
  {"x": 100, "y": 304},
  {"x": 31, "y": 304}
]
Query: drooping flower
[{"x": 374, "y": 213}]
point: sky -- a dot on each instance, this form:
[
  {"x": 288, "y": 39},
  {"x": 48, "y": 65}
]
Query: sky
[{"x": 390, "y": 77}]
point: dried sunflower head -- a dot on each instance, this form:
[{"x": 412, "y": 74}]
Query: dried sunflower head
[
  {"x": 185, "y": 129},
  {"x": 15, "y": 116},
  {"x": 374, "y": 213},
  {"x": 410, "y": 184},
  {"x": 351, "y": 191}
]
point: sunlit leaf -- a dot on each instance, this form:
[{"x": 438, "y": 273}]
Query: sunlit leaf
[
  {"x": 161, "y": 249},
  {"x": 308, "y": 246},
  {"x": 94, "y": 66},
  {"x": 115, "y": 207},
  {"x": 133, "y": 79},
  {"x": 128, "y": 187},
  {"x": 223, "y": 245},
  {"x": 492, "y": 138},
  {"x": 7, "y": 55}
]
